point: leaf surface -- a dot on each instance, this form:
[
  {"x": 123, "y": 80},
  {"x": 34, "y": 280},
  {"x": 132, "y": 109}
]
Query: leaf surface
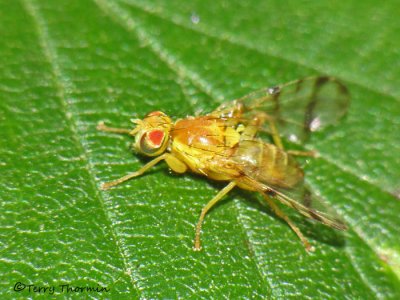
[{"x": 66, "y": 65}]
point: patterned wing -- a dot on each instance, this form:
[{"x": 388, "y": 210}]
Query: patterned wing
[
  {"x": 272, "y": 172},
  {"x": 297, "y": 108}
]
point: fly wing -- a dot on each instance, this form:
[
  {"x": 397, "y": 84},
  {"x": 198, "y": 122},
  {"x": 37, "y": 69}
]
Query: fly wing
[
  {"x": 297, "y": 108},
  {"x": 271, "y": 171}
]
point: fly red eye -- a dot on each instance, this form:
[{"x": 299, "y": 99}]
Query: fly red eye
[
  {"x": 151, "y": 143},
  {"x": 156, "y": 137}
]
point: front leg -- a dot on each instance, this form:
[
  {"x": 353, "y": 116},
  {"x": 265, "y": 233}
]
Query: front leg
[
  {"x": 173, "y": 162},
  {"x": 139, "y": 172}
]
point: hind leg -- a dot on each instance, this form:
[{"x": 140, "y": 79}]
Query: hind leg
[
  {"x": 252, "y": 184},
  {"x": 283, "y": 216},
  {"x": 278, "y": 142}
]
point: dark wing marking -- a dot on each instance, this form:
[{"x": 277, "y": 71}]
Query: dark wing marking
[
  {"x": 298, "y": 107},
  {"x": 300, "y": 196}
]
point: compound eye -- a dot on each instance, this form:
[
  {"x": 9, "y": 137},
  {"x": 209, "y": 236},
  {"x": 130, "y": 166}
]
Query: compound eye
[{"x": 152, "y": 141}]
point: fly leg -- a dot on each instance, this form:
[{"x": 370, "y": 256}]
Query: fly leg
[
  {"x": 283, "y": 216},
  {"x": 303, "y": 153},
  {"x": 206, "y": 208},
  {"x": 102, "y": 127},
  {"x": 251, "y": 129},
  {"x": 255, "y": 125},
  {"x": 139, "y": 172},
  {"x": 173, "y": 162},
  {"x": 249, "y": 183},
  {"x": 278, "y": 142},
  {"x": 275, "y": 134}
]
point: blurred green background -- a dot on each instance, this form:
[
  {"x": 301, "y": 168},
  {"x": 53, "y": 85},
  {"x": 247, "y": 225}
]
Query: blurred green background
[{"x": 65, "y": 65}]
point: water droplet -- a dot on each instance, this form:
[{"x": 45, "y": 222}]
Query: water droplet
[
  {"x": 195, "y": 18},
  {"x": 293, "y": 138}
]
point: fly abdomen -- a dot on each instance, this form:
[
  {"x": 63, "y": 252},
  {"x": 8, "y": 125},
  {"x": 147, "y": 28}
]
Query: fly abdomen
[{"x": 268, "y": 164}]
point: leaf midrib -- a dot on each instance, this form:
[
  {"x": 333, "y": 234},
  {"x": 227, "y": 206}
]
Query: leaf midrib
[{"x": 62, "y": 85}]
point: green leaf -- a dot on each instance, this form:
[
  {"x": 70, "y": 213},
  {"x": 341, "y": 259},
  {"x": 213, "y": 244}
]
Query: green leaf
[{"x": 66, "y": 65}]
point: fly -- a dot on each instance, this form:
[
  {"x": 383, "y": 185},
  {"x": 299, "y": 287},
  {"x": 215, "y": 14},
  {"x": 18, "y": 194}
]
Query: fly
[{"x": 224, "y": 145}]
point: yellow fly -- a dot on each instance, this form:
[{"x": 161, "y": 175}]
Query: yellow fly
[{"x": 223, "y": 145}]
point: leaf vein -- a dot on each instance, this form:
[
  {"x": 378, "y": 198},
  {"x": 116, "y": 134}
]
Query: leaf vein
[{"x": 64, "y": 86}]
